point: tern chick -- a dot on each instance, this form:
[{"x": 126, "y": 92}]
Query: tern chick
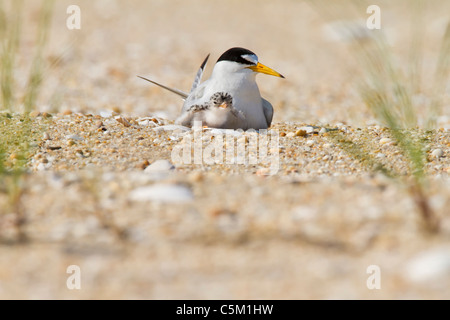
[{"x": 218, "y": 112}]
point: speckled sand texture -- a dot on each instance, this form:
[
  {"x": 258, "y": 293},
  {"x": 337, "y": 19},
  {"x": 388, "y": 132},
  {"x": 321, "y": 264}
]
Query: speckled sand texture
[{"x": 104, "y": 193}]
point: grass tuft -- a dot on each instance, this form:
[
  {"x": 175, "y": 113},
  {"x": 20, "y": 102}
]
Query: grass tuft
[
  {"x": 17, "y": 131},
  {"x": 389, "y": 92}
]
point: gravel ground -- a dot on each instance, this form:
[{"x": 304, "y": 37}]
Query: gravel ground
[{"x": 105, "y": 192}]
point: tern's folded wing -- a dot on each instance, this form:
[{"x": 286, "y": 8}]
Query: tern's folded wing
[
  {"x": 268, "y": 111},
  {"x": 199, "y": 74},
  {"x": 197, "y": 96}
]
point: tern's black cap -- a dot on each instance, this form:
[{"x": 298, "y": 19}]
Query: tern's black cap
[{"x": 236, "y": 55}]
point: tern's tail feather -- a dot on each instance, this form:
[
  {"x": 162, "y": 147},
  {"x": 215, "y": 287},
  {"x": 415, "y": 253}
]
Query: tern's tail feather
[
  {"x": 198, "y": 76},
  {"x": 182, "y": 94}
]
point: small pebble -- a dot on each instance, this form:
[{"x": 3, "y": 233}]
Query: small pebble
[
  {"x": 290, "y": 134},
  {"x": 160, "y": 165},
  {"x": 144, "y": 164},
  {"x": 106, "y": 113},
  {"x": 323, "y": 130},
  {"x": 308, "y": 129},
  {"x": 35, "y": 114},
  {"x": 300, "y": 133},
  {"x": 310, "y": 143},
  {"x": 45, "y": 136},
  {"x": 430, "y": 265},
  {"x": 166, "y": 193},
  {"x": 144, "y": 122},
  {"x": 437, "y": 153}
]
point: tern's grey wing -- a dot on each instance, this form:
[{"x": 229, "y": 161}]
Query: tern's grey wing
[
  {"x": 199, "y": 74},
  {"x": 268, "y": 111},
  {"x": 196, "y": 97},
  {"x": 182, "y": 94}
]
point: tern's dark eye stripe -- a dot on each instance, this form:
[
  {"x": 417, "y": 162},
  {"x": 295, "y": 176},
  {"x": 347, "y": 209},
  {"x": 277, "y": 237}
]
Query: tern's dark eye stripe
[{"x": 235, "y": 55}]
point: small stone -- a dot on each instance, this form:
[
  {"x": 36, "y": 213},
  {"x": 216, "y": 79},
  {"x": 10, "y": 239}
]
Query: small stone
[
  {"x": 165, "y": 193},
  {"x": 35, "y": 114},
  {"x": 66, "y": 112},
  {"x": 308, "y": 129},
  {"x": 428, "y": 266},
  {"x": 437, "y": 153},
  {"x": 160, "y": 165},
  {"x": 380, "y": 156},
  {"x": 46, "y": 136},
  {"x": 98, "y": 124},
  {"x": 310, "y": 143},
  {"x": 70, "y": 142},
  {"x": 300, "y": 133},
  {"x": 147, "y": 122},
  {"x": 105, "y": 113},
  {"x": 323, "y": 130},
  {"x": 144, "y": 164},
  {"x": 116, "y": 109},
  {"x": 290, "y": 134},
  {"x": 283, "y": 134}
]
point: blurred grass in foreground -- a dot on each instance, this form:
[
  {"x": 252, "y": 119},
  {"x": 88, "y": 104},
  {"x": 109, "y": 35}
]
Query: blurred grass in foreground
[
  {"x": 17, "y": 135},
  {"x": 390, "y": 92}
]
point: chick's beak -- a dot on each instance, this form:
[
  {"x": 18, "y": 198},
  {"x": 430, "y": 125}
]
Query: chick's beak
[{"x": 263, "y": 69}]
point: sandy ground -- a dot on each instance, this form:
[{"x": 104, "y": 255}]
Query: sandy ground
[{"x": 98, "y": 198}]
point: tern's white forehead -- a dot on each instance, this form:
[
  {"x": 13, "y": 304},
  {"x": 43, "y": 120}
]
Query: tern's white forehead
[{"x": 252, "y": 58}]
